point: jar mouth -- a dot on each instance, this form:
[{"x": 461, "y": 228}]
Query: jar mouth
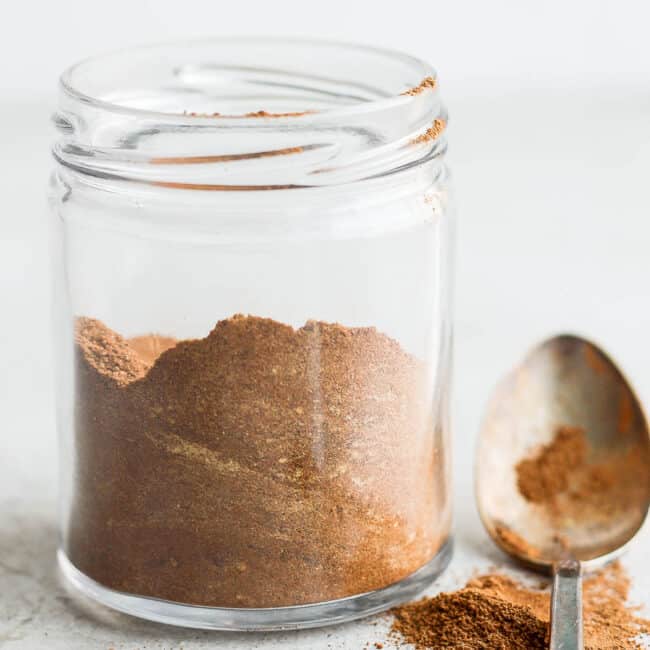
[{"x": 249, "y": 113}]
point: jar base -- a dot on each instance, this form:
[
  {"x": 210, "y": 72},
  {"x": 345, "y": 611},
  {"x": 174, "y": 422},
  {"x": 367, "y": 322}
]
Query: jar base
[{"x": 261, "y": 619}]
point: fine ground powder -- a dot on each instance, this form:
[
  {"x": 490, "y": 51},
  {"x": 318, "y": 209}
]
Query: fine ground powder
[
  {"x": 567, "y": 480},
  {"x": 495, "y": 612},
  {"x": 547, "y": 474},
  {"x": 260, "y": 466}
]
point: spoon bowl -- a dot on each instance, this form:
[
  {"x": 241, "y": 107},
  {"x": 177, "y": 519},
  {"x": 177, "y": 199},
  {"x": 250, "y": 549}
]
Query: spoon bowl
[
  {"x": 563, "y": 469},
  {"x": 565, "y": 383}
]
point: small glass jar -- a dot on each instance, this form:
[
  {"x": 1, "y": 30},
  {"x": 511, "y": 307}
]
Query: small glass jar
[{"x": 253, "y": 278}]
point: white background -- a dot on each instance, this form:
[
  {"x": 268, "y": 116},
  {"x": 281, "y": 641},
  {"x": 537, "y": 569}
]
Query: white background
[
  {"x": 476, "y": 46},
  {"x": 550, "y": 149}
]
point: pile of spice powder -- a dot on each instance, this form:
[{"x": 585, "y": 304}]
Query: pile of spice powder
[
  {"x": 567, "y": 482},
  {"x": 541, "y": 478},
  {"x": 260, "y": 466},
  {"x": 495, "y": 612}
]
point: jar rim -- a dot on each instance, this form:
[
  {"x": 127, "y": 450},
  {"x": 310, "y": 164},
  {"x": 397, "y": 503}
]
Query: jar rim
[
  {"x": 293, "y": 112},
  {"x": 74, "y": 88}
]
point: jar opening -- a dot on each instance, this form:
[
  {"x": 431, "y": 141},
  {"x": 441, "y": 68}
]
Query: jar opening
[{"x": 249, "y": 113}]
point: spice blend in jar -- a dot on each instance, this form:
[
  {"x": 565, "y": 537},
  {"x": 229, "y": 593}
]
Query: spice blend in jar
[
  {"x": 261, "y": 466},
  {"x": 228, "y": 471}
]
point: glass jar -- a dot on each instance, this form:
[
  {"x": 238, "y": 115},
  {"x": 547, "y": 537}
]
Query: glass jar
[{"x": 253, "y": 251}]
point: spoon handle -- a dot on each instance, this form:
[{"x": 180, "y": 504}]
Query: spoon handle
[{"x": 566, "y": 606}]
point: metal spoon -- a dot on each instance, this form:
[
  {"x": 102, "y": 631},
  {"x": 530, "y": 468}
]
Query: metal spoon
[{"x": 565, "y": 381}]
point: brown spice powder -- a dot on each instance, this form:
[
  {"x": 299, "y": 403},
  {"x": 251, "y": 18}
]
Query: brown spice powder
[
  {"x": 541, "y": 478},
  {"x": 469, "y": 618},
  {"x": 497, "y": 612},
  {"x": 427, "y": 82},
  {"x": 568, "y": 481},
  {"x": 260, "y": 466},
  {"x": 515, "y": 543},
  {"x": 251, "y": 114},
  {"x": 289, "y": 114},
  {"x": 150, "y": 347},
  {"x": 208, "y": 187},
  {"x": 200, "y": 160},
  {"x": 431, "y": 133}
]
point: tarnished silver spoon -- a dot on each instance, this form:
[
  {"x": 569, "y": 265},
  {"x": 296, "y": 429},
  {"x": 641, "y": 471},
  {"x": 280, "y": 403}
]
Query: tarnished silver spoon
[{"x": 569, "y": 384}]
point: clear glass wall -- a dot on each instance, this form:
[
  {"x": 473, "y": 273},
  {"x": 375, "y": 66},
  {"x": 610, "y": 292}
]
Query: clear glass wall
[{"x": 253, "y": 310}]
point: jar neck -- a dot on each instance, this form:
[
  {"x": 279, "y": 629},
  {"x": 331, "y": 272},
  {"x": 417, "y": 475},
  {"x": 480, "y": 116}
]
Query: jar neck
[{"x": 196, "y": 121}]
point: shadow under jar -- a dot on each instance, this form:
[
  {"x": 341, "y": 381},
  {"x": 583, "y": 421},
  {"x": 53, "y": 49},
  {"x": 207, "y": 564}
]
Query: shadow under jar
[{"x": 253, "y": 253}]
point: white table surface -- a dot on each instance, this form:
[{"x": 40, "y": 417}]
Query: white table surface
[{"x": 554, "y": 235}]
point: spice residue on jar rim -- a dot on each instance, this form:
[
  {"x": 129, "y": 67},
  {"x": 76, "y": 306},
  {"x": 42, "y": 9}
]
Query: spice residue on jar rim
[
  {"x": 199, "y": 160},
  {"x": 252, "y": 114},
  {"x": 248, "y": 468},
  {"x": 433, "y": 132},
  {"x": 428, "y": 83}
]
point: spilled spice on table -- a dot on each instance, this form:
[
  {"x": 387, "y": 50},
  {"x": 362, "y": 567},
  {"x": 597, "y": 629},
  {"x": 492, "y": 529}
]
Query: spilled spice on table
[
  {"x": 259, "y": 466},
  {"x": 496, "y": 612}
]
